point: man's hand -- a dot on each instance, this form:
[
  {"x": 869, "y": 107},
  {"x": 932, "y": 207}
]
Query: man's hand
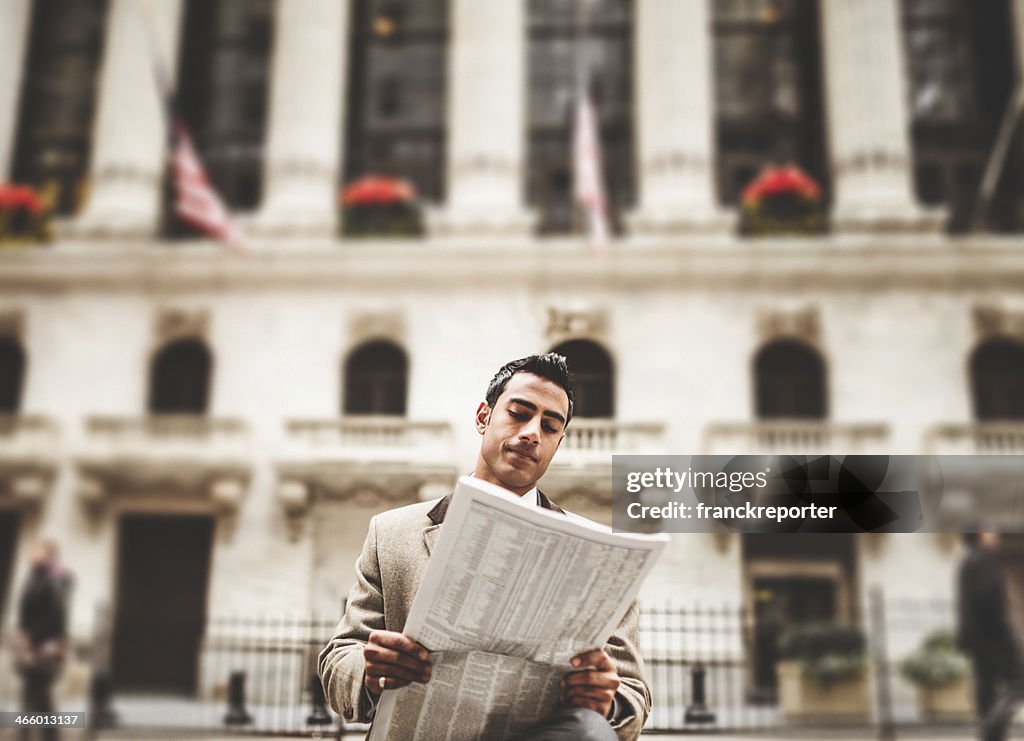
[
  {"x": 593, "y": 687},
  {"x": 395, "y": 657}
]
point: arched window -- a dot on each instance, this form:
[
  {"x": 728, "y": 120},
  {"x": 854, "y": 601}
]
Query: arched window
[
  {"x": 790, "y": 381},
  {"x": 12, "y": 375},
  {"x": 768, "y": 91},
  {"x": 396, "y": 92},
  {"x": 58, "y": 99},
  {"x": 376, "y": 378},
  {"x": 223, "y": 81},
  {"x": 961, "y": 64},
  {"x": 570, "y": 40},
  {"x": 997, "y": 380},
  {"x": 594, "y": 376},
  {"x": 180, "y": 378}
]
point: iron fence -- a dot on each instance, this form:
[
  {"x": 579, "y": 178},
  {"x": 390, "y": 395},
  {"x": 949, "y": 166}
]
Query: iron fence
[{"x": 710, "y": 669}]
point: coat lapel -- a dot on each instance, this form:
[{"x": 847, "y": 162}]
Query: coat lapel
[
  {"x": 430, "y": 537},
  {"x": 437, "y": 514}
]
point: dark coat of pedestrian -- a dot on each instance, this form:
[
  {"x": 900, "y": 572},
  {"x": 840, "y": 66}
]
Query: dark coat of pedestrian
[
  {"x": 42, "y": 641},
  {"x": 986, "y": 633}
]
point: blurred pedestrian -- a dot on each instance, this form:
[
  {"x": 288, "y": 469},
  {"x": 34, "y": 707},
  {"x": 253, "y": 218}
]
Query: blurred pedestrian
[
  {"x": 42, "y": 640},
  {"x": 985, "y": 632}
]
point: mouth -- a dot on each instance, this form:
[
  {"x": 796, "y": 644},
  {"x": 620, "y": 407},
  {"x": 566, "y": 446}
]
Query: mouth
[{"x": 520, "y": 453}]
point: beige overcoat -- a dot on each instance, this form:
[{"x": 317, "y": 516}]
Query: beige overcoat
[{"x": 388, "y": 573}]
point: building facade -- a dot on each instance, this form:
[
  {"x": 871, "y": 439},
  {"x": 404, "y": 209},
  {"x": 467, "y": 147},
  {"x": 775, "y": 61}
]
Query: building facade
[{"x": 208, "y": 433}]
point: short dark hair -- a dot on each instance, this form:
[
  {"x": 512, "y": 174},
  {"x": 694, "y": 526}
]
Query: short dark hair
[{"x": 550, "y": 365}]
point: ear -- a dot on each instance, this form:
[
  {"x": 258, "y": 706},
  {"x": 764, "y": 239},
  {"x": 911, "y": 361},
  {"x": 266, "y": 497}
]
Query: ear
[{"x": 483, "y": 417}]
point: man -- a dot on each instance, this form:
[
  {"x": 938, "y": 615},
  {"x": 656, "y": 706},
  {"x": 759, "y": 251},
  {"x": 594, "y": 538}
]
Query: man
[
  {"x": 985, "y": 632},
  {"x": 41, "y": 641},
  {"x": 522, "y": 422}
]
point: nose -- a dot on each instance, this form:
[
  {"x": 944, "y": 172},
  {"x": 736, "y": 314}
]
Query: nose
[{"x": 530, "y": 432}]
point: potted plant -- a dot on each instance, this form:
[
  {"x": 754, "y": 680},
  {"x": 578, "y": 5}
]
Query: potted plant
[
  {"x": 940, "y": 673},
  {"x": 782, "y": 201},
  {"x": 24, "y": 215},
  {"x": 377, "y": 206},
  {"x": 823, "y": 673}
]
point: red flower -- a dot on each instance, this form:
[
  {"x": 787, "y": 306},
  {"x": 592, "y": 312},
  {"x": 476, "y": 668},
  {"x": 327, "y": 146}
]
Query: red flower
[
  {"x": 377, "y": 190},
  {"x": 780, "y": 181},
  {"x": 20, "y": 198}
]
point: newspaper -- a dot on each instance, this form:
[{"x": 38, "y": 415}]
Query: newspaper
[{"x": 511, "y": 593}]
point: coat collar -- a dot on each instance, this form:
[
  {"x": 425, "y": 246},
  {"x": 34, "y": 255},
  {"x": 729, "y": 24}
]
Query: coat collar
[{"x": 440, "y": 509}]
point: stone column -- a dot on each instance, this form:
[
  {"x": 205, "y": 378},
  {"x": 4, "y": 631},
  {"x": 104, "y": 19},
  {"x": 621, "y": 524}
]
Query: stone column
[
  {"x": 14, "y": 39},
  {"x": 304, "y": 133},
  {"x": 869, "y": 119},
  {"x": 486, "y": 121},
  {"x": 1017, "y": 14},
  {"x": 675, "y": 116},
  {"x": 130, "y": 131}
]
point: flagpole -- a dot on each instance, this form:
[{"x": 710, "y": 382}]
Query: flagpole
[{"x": 581, "y": 74}]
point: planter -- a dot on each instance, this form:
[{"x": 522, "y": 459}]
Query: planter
[
  {"x": 375, "y": 206},
  {"x": 782, "y": 202},
  {"x": 805, "y": 699},
  {"x": 950, "y": 702},
  {"x": 24, "y": 216}
]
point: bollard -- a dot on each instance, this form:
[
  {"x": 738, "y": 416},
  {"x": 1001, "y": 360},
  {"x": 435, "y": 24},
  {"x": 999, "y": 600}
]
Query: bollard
[
  {"x": 318, "y": 715},
  {"x": 101, "y": 690},
  {"x": 697, "y": 711},
  {"x": 237, "y": 714}
]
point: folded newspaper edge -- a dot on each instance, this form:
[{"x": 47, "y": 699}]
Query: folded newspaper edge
[{"x": 484, "y": 591}]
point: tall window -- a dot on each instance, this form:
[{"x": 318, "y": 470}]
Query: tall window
[
  {"x": 180, "y": 378},
  {"x": 58, "y": 98},
  {"x": 789, "y": 381},
  {"x": 223, "y": 80},
  {"x": 12, "y": 375},
  {"x": 594, "y": 377},
  {"x": 768, "y": 95},
  {"x": 997, "y": 380},
  {"x": 573, "y": 40},
  {"x": 376, "y": 377},
  {"x": 961, "y": 68},
  {"x": 396, "y": 92}
]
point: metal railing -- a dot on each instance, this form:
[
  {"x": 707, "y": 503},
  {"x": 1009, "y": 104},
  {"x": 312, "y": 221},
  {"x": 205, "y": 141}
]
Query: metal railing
[
  {"x": 788, "y": 436},
  {"x": 710, "y": 670}
]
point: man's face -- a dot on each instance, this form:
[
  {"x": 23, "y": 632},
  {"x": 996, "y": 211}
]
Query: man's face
[
  {"x": 521, "y": 433},
  {"x": 989, "y": 539}
]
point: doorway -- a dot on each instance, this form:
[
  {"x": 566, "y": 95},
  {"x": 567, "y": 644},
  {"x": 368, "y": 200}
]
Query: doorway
[
  {"x": 792, "y": 579},
  {"x": 163, "y": 566},
  {"x": 10, "y": 522}
]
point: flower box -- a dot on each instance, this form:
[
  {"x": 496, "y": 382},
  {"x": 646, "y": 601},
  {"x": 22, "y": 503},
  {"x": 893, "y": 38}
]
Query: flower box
[
  {"x": 374, "y": 206},
  {"x": 782, "y": 201},
  {"x": 24, "y": 215},
  {"x": 804, "y": 698},
  {"x": 941, "y": 676},
  {"x": 823, "y": 674}
]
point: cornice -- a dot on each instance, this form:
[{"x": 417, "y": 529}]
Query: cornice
[{"x": 863, "y": 263}]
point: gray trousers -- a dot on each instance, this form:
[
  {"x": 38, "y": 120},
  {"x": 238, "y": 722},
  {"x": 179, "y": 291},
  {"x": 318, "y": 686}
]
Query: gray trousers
[{"x": 578, "y": 724}]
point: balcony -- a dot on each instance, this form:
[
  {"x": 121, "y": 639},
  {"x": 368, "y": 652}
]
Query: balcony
[
  {"x": 28, "y": 458},
  {"x": 165, "y": 454},
  {"x": 376, "y": 461},
  {"x": 583, "y": 464},
  {"x": 980, "y": 438},
  {"x": 802, "y": 437}
]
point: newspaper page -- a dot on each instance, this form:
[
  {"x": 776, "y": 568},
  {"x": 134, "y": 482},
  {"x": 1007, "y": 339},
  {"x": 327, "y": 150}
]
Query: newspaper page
[{"x": 511, "y": 593}]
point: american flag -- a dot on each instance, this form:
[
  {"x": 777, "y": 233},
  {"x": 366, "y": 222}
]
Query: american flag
[
  {"x": 195, "y": 199},
  {"x": 588, "y": 181}
]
